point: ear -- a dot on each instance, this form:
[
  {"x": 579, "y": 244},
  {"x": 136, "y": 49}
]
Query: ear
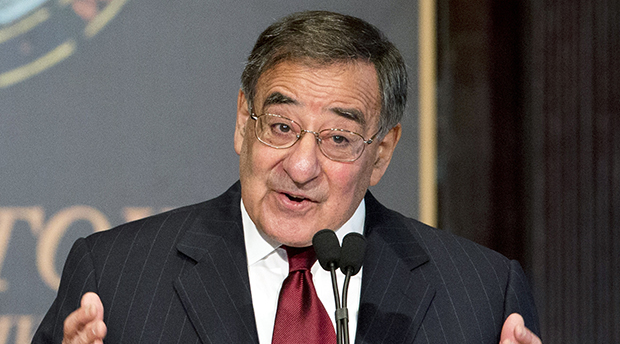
[
  {"x": 243, "y": 114},
  {"x": 384, "y": 154}
]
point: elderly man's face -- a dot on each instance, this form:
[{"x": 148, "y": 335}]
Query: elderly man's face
[{"x": 292, "y": 193}]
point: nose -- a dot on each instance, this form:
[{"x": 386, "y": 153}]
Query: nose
[{"x": 302, "y": 163}]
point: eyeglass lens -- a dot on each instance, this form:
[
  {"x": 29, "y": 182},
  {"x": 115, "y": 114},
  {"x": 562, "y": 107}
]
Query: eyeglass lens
[{"x": 336, "y": 144}]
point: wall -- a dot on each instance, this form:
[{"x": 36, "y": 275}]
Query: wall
[
  {"x": 574, "y": 92},
  {"x": 111, "y": 110},
  {"x": 529, "y": 150}
]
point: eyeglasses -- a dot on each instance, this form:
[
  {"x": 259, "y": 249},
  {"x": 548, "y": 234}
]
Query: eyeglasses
[{"x": 336, "y": 144}]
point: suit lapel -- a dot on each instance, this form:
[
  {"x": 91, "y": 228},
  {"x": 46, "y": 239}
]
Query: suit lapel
[
  {"x": 395, "y": 295},
  {"x": 216, "y": 292}
]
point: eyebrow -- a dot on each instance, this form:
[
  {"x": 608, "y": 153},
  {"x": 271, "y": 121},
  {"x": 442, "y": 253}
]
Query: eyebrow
[
  {"x": 352, "y": 114},
  {"x": 277, "y": 98}
]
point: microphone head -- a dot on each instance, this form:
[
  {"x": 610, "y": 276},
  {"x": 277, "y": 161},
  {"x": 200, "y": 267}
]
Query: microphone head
[
  {"x": 352, "y": 253},
  {"x": 327, "y": 248}
]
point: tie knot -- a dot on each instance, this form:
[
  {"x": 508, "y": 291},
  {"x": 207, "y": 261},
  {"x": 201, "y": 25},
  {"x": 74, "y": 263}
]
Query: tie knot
[{"x": 300, "y": 258}]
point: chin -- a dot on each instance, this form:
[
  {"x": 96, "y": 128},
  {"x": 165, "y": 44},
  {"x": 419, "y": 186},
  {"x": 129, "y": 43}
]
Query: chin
[{"x": 295, "y": 238}]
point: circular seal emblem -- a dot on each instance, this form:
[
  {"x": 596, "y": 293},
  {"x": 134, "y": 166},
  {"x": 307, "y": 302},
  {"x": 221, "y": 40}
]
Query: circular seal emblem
[{"x": 37, "y": 34}]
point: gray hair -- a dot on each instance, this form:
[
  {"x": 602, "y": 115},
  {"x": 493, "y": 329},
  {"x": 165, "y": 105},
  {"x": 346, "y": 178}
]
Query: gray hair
[{"x": 325, "y": 38}]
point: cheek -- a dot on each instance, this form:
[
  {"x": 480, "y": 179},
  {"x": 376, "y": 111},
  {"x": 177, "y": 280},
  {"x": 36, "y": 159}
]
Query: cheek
[
  {"x": 350, "y": 180},
  {"x": 257, "y": 160},
  {"x": 245, "y": 161}
]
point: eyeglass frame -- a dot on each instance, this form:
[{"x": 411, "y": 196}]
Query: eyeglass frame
[{"x": 316, "y": 136}]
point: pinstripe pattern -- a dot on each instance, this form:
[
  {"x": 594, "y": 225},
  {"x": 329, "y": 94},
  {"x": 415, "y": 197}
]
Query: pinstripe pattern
[
  {"x": 181, "y": 277},
  {"x": 156, "y": 278},
  {"x": 423, "y": 285}
]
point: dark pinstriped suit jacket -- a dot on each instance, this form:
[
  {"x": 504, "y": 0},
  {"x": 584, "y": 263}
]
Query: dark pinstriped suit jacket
[{"x": 181, "y": 277}]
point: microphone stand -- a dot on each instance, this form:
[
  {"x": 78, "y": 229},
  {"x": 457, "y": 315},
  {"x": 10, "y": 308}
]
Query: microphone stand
[
  {"x": 339, "y": 327},
  {"x": 344, "y": 309},
  {"x": 351, "y": 260},
  {"x": 327, "y": 250}
]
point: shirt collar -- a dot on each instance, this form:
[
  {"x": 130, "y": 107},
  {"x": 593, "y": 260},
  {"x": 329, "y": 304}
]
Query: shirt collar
[{"x": 259, "y": 246}]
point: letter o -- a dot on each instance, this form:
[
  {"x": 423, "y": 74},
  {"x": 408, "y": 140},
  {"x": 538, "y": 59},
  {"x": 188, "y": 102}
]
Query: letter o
[{"x": 54, "y": 231}]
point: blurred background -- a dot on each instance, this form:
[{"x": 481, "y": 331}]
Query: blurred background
[
  {"x": 529, "y": 149},
  {"x": 111, "y": 110}
]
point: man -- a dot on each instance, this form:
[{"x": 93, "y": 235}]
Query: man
[{"x": 317, "y": 123}]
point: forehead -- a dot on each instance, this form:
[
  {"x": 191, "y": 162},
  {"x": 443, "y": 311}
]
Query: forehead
[{"x": 351, "y": 88}]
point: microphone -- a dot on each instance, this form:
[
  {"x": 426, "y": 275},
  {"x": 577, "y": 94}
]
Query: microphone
[
  {"x": 352, "y": 253},
  {"x": 327, "y": 249},
  {"x": 351, "y": 260}
]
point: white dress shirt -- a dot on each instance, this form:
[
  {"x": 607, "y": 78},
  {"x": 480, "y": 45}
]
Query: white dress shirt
[{"x": 268, "y": 267}]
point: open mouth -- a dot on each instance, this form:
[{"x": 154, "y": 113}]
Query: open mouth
[{"x": 295, "y": 198}]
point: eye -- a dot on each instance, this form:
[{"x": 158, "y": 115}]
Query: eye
[
  {"x": 339, "y": 140},
  {"x": 281, "y": 127}
]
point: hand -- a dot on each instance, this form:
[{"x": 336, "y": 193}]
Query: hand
[
  {"x": 85, "y": 325},
  {"x": 515, "y": 332}
]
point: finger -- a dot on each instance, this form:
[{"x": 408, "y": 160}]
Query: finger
[
  {"x": 525, "y": 336},
  {"x": 85, "y": 324},
  {"x": 508, "y": 330},
  {"x": 99, "y": 330},
  {"x": 93, "y": 332},
  {"x": 93, "y": 299},
  {"x": 78, "y": 319}
]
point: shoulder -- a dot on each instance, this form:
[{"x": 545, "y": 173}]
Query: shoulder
[
  {"x": 167, "y": 226},
  {"x": 446, "y": 251}
]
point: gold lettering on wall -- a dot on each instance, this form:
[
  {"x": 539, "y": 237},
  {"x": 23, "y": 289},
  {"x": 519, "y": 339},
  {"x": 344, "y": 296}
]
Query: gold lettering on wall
[
  {"x": 55, "y": 230},
  {"x": 34, "y": 216},
  {"x": 6, "y": 322},
  {"x": 49, "y": 234},
  {"x": 136, "y": 213},
  {"x": 23, "y": 325}
]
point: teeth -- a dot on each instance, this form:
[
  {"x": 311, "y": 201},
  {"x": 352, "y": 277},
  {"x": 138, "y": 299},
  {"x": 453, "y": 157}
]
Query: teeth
[{"x": 294, "y": 198}]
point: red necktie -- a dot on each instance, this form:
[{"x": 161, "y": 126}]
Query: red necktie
[{"x": 301, "y": 317}]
